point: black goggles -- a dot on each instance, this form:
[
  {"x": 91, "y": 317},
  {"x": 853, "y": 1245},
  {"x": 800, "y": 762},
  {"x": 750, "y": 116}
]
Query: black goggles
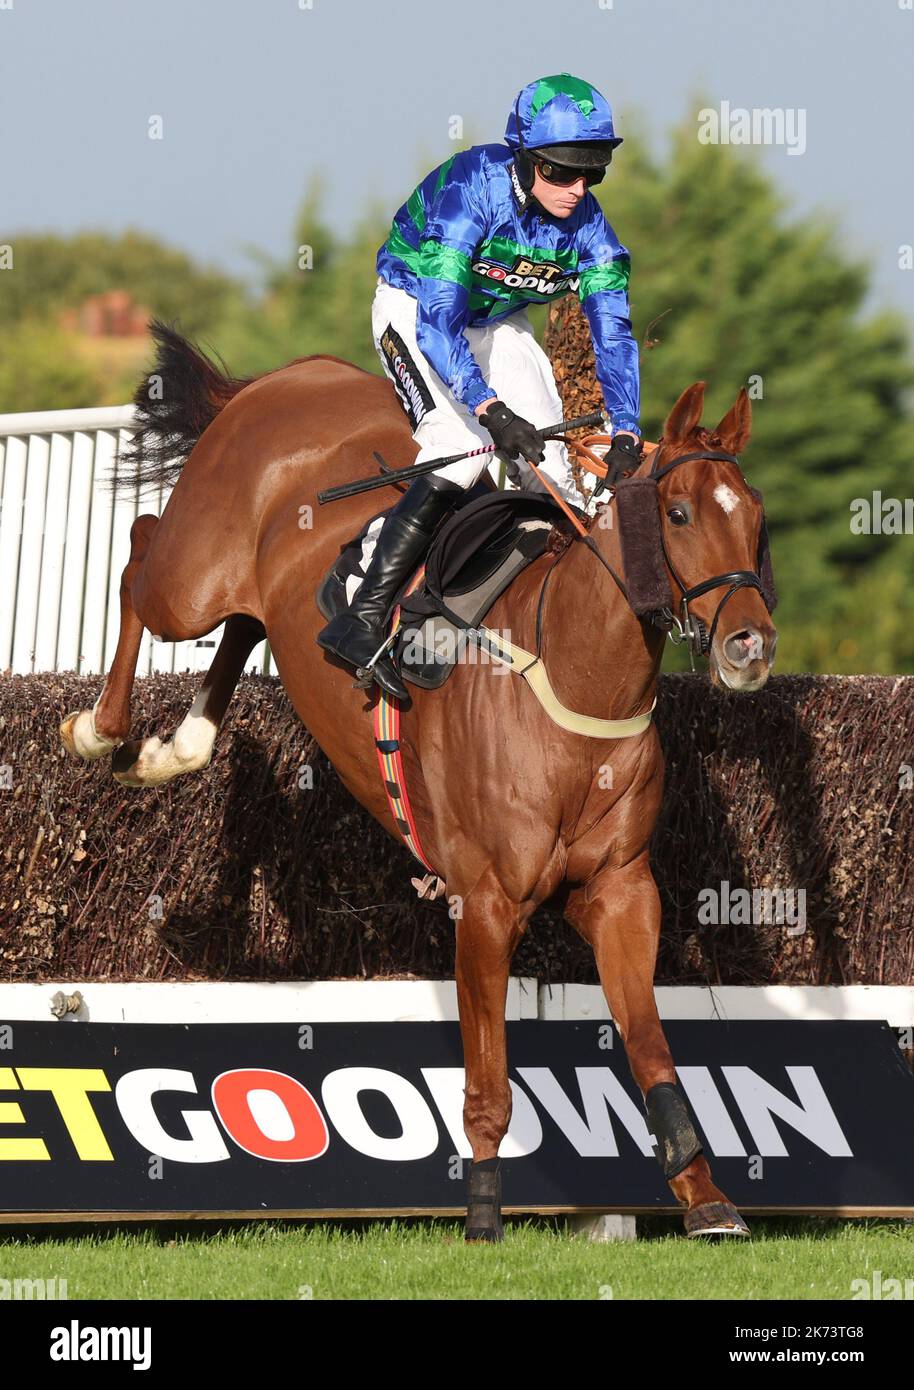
[{"x": 564, "y": 175}]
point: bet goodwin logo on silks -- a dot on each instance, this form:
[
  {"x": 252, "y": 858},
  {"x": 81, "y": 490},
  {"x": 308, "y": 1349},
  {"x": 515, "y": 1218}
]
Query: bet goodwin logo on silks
[{"x": 407, "y": 378}]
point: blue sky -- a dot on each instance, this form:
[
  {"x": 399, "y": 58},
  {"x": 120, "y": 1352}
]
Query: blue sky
[{"x": 257, "y": 97}]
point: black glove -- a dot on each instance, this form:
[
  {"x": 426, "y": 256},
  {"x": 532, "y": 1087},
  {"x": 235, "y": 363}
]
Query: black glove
[
  {"x": 624, "y": 456},
  {"x": 512, "y": 434}
]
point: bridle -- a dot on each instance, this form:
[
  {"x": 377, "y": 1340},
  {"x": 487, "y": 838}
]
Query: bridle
[{"x": 686, "y": 627}]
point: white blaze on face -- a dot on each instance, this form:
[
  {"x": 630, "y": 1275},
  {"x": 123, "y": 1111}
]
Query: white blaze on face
[{"x": 726, "y": 497}]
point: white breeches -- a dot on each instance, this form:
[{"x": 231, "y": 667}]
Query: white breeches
[{"x": 513, "y": 364}]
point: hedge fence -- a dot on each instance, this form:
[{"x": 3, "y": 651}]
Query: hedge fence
[{"x": 245, "y": 871}]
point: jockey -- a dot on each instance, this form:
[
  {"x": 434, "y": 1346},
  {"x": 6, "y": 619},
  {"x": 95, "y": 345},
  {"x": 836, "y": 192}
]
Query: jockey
[{"x": 493, "y": 229}]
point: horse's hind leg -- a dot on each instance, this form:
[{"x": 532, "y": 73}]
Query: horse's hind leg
[
  {"x": 149, "y": 762},
  {"x": 91, "y": 733},
  {"x": 620, "y": 918}
]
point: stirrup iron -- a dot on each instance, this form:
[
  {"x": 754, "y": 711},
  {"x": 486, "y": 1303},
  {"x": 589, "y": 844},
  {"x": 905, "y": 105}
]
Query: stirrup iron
[{"x": 365, "y": 674}]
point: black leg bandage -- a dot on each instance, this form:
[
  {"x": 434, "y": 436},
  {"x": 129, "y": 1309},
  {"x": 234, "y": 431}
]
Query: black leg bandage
[
  {"x": 484, "y": 1201},
  {"x": 669, "y": 1121}
]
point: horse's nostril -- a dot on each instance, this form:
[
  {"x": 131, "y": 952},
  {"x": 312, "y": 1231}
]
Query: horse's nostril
[{"x": 744, "y": 646}]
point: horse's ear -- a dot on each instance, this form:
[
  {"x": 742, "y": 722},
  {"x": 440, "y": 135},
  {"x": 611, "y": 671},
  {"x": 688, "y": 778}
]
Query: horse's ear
[
  {"x": 736, "y": 426},
  {"x": 685, "y": 415}
]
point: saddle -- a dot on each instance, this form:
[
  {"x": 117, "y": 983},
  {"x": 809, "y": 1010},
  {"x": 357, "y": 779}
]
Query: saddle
[{"x": 482, "y": 547}]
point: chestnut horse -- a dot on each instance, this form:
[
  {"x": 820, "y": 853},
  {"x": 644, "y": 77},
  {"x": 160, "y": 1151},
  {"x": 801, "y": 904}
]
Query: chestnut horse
[{"x": 510, "y": 808}]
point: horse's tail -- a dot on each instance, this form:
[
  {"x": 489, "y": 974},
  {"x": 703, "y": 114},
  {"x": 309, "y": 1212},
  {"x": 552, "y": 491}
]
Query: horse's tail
[{"x": 174, "y": 403}]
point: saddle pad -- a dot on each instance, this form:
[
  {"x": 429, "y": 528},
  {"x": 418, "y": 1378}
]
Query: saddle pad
[{"x": 472, "y": 560}]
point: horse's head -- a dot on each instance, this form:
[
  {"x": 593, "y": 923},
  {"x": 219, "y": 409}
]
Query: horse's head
[{"x": 698, "y": 562}]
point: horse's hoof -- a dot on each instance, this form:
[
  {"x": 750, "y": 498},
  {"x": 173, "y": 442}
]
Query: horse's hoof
[
  {"x": 483, "y": 1223},
  {"x": 66, "y": 735},
  {"x": 124, "y": 764},
  {"x": 715, "y": 1219},
  {"x": 140, "y": 763},
  {"x": 78, "y": 736},
  {"x": 149, "y": 762}
]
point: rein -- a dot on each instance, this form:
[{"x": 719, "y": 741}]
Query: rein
[
  {"x": 596, "y": 465},
  {"x": 530, "y": 664}
]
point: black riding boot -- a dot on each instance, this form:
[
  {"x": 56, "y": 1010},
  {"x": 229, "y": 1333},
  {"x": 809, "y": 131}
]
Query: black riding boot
[{"x": 356, "y": 634}]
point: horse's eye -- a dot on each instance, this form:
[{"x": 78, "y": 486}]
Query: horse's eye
[{"x": 678, "y": 516}]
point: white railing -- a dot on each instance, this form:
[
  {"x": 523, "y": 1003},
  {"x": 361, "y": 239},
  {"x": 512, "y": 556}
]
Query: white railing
[{"x": 64, "y": 541}]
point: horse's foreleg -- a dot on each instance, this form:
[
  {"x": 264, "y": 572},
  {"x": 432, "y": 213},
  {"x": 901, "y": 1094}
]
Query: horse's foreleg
[
  {"x": 149, "y": 762},
  {"x": 620, "y": 918},
  {"x": 489, "y": 927},
  {"x": 91, "y": 733}
]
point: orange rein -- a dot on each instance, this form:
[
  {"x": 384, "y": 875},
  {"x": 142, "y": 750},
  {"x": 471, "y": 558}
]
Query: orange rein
[{"x": 583, "y": 450}]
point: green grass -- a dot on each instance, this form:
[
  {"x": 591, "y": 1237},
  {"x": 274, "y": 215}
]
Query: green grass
[{"x": 792, "y": 1258}]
